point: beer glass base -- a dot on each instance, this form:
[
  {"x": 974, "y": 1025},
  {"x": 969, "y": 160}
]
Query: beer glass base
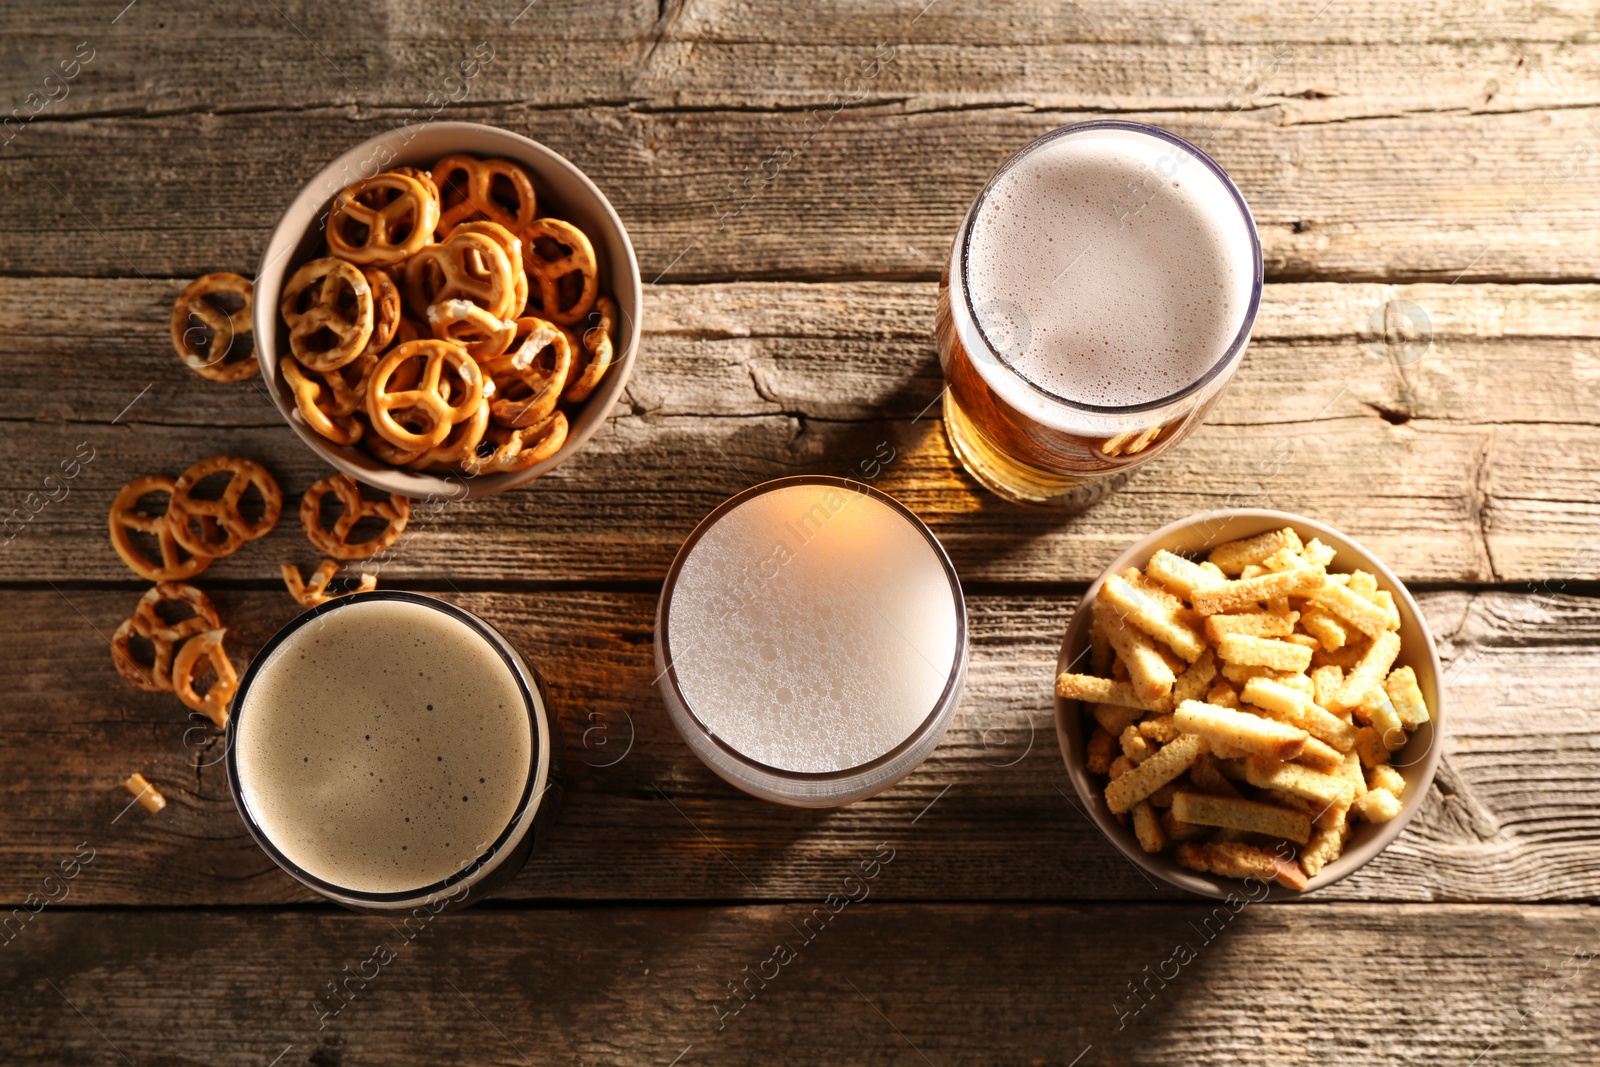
[{"x": 1018, "y": 482}]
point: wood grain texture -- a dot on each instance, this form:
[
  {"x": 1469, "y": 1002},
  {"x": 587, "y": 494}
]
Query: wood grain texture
[
  {"x": 1461, "y": 448},
  {"x": 873, "y": 190},
  {"x": 877, "y": 984},
  {"x": 991, "y": 814}
]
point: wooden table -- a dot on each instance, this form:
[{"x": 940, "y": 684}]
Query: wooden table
[{"x": 1424, "y": 375}]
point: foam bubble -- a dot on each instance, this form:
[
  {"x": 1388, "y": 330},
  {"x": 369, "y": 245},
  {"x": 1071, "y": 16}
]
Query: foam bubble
[{"x": 1109, "y": 268}]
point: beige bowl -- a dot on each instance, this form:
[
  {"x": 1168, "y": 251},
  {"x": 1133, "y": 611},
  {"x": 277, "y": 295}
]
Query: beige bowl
[
  {"x": 563, "y": 190},
  {"x": 1416, "y": 762}
]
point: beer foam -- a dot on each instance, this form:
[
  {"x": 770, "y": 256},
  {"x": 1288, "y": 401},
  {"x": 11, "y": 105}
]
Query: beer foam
[
  {"x": 383, "y": 747},
  {"x": 1108, "y": 267},
  {"x": 813, "y": 628}
]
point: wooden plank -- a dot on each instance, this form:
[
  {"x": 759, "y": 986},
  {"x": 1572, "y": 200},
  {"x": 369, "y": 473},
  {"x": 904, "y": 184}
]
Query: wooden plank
[
  {"x": 888, "y": 983},
  {"x": 875, "y": 190},
  {"x": 1307, "y": 65},
  {"x": 988, "y": 816},
  {"x": 1467, "y": 457}
]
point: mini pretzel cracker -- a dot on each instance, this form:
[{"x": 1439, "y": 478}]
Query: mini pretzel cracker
[
  {"x": 468, "y": 325},
  {"x": 517, "y": 450},
  {"x": 224, "y": 328},
  {"x": 467, "y": 266},
  {"x": 124, "y": 519},
  {"x": 328, "y": 305},
  {"x": 529, "y": 379},
  {"x": 460, "y": 444},
  {"x": 1284, "y": 755},
  {"x": 310, "y": 594},
  {"x": 202, "y": 617},
  {"x": 156, "y": 677},
  {"x": 187, "y": 668},
  {"x": 396, "y": 511},
  {"x": 148, "y": 796},
  {"x": 184, "y": 511},
  {"x": 315, "y": 400},
  {"x": 431, "y": 393},
  {"x": 511, "y": 245},
  {"x": 568, "y": 282},
  {"x": 596, "y": 350},
  {"x": 493, "y": 189},
  {"x": 387, "y": 311},
  {"x": 382, "y": 220}
]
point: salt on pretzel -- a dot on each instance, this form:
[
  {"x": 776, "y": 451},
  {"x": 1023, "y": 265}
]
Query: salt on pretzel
[
  {"x": 529, "y": 378},
  {"x": 203, "y": 614},
  {"x": 188, "y": 668},
  {"x": 493, "y": 189},
  {"x": 328, "y": 305},
  {"x": 444, "y": 400},
  {"x": 217, "y": 329},
  {"x": 465, "y": 266},
  {"x": 519, "y": 449},
  {"x": 126, "y": 520},
  {"x": 596, "y": 351},
  {"x": 396, "y": 511},
  {"x": 382, "y": 220},
  {"x": 568, "y": 281},
  {"x": 315, "y": 398},
  {"x": 313, "y": 592},
  {"x": 184, "y": 509},
  {"x": 156, "y": 677}
]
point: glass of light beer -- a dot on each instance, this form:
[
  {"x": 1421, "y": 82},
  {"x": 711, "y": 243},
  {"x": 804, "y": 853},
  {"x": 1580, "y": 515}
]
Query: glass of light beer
[{"x": 1098, "y": 296}]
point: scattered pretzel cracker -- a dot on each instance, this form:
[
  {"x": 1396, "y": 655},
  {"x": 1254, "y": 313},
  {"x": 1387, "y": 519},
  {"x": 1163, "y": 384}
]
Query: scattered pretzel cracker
[
  {"x": 1249, "y": 815},
  {"x": 148, "y": 796},
  {"x": 1137, "y": 784},
  {"x": 1234, "y": 556},
  {"x": 1240, "y": 730},
  {"x": 313, "y": 593}
]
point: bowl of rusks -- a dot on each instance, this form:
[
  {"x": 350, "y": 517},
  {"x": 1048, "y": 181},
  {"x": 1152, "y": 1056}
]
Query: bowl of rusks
[
  {"x": 1249, "y": 704},
  {"x": 447, "y": 309}
]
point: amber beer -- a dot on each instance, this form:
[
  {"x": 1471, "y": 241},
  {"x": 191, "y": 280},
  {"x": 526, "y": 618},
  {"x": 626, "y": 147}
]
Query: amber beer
[{"x": 1098, "y": 296}]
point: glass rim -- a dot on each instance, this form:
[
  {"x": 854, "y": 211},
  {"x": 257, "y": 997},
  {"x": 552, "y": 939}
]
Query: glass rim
[
  {"x": 1235, "y": 347},
  {"x": 941, "y": 703},
  {"x": 533, "y": 702}
]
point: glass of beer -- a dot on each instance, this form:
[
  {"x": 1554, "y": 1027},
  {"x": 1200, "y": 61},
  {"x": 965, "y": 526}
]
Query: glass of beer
[
  {"x": 1099, "y": 295},
  {"x": 393, "y": 752}
]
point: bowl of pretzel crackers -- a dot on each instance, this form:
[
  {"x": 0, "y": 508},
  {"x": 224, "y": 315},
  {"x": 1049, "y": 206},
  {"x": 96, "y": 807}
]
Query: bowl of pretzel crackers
[
  {"x": 447, "y": 310},
  {"x": 1249, "y": 704}
]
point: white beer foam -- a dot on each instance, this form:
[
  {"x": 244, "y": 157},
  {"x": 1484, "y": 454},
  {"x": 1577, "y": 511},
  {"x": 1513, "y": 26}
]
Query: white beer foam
[
  {"x": 812, "y": 628},
  {"x": 1110, "y": 268},
  {"x": 383, "y": 747}
]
